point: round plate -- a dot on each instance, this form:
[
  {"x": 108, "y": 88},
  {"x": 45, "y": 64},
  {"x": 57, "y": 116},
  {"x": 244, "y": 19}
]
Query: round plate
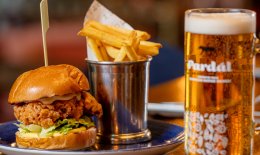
[{"x": 165, "y": 137}]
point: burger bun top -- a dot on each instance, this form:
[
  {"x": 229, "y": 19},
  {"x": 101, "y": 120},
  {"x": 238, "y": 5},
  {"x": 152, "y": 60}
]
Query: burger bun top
[{"x": 44, "y": 82}]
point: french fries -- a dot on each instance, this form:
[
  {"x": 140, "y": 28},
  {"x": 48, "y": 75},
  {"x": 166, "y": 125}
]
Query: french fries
[
  {"x": 130, "y": 52},
  {"x": 121, "y": 55},
  {"x": 111, "y": 43},
  {"x": 102, "y": 50},
  {"x": 93, "y": 45},
  {"x": 112, "y": 51}
]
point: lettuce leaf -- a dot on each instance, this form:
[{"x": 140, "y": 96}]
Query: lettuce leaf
[{"x": 60, "y": 127}]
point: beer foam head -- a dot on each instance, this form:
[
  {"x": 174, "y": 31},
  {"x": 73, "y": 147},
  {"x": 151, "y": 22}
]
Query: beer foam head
[{"x": 220, "y": 23}]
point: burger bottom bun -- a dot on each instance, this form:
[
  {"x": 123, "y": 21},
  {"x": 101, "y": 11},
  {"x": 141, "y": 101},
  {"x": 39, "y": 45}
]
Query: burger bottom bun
[{"x": 74, "y": 140}]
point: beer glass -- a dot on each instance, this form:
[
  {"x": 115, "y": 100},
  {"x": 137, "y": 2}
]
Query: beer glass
[{"x": 219, "y": 93}]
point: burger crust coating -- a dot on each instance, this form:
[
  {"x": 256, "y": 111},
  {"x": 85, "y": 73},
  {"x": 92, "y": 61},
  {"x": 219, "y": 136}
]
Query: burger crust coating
[{"x": 46, "y": 115}]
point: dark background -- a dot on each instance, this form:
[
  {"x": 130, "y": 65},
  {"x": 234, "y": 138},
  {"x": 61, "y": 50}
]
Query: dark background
[{"x": 21, "y": 41}]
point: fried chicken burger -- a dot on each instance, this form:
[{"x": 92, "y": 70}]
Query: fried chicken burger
[{"x": 53, "y": 106}]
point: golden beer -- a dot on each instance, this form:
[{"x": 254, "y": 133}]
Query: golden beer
[{"x": 219, "y": 85}]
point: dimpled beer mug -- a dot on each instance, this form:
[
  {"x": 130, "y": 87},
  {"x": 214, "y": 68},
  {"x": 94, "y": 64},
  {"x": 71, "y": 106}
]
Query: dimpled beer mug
[{"x": 219, "y": 94}]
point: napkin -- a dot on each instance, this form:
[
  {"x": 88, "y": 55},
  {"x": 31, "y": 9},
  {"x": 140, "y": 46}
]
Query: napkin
[{"x": 101, "y": 14}]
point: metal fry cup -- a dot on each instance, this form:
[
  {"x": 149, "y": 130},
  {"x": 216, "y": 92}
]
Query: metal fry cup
[{"x": 122, "y": 90}]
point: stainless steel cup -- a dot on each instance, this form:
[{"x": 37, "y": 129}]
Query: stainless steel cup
[{"x": 122, "y": 89}]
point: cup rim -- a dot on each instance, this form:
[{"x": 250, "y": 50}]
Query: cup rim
[{"x": 149, "y": 58}]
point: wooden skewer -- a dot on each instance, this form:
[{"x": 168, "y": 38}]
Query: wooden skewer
[{"x": 45, "y": 27}]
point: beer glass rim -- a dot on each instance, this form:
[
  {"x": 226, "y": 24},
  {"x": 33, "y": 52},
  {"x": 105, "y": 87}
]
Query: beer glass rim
[
  {"x": 220, "y": 21},
  {"x": 148, "y": 59},
  {"x": 220, "y": 10}
]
